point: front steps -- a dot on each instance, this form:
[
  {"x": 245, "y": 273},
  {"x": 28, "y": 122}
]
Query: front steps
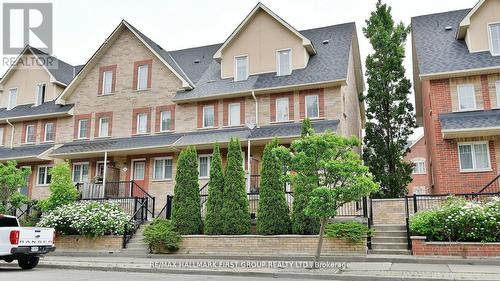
[
  {"x": 136, "y": 244},
  {"x": 390, "y": 239}
]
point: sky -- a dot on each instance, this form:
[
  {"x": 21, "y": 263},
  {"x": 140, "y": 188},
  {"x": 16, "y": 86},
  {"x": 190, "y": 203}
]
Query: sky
[{"x": 80, "y": 27}]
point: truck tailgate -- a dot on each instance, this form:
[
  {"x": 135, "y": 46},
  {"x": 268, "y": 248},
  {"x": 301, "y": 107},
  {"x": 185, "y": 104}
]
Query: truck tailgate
[{"x": 36, "y": 236}]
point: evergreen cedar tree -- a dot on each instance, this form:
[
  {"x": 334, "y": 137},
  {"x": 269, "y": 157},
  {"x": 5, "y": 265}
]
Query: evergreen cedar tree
[
  {"x": 214, "y": 219},
  {"x": 273, "y": 213},
  {"x": 186, "y": 212},
  {"x": 390, "y": 119},
  {"x": 236, "y": 216},
  {"x": 62, "y": 189}
]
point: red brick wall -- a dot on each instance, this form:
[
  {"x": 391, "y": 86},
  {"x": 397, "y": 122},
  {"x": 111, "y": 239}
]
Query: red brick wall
[
  {"x": 419, "y": 152},
  {"x": 422, "y": 248}
]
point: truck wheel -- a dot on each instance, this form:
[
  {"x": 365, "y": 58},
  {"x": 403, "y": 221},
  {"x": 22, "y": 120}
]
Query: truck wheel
[{"x": 28, "y": 262}]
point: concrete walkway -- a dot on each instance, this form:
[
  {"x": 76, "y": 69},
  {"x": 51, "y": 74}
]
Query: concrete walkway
[{"x": 280, "y": 269}]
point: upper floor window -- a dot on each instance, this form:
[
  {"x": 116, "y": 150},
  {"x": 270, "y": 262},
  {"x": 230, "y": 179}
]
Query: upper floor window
[
  {"x": 142, "y": 123},
  {"x": 240, "y": 68},
  {"x": 204, "y": 165},
  {"x": 282, "y": 109},
  {"x": 1, "y": 135},
  {"x": 466, "y": 97},
  {"x": 495, "y": 39},
  {"x": 81, "y": 172},
  {"x": 48, "y": 132},
  {"x": 107, "y": 82},
  {"x": 474, "y": 156},
  {"x": 418, "y": 166},
  {"x": 166, "y": 121},
  {"x": 40, "y": 93},
  {"x": 162, "y": 168},
  {"x": 12, "y": 99},
  {"x": 142, "y": 77},
  {"x": 312, "y": 106},
  {"x": 208, "y": 116},
  {"x": 497, "y": 86},
  {"x": 30, "y": 134},
  {"x": 284, "y": 61},
  {"x": 104, "y": 127},
  {"x": 234, "y": 114},
  {"x": 83, "y": 125},
  {"x": 44, "y": 177}
]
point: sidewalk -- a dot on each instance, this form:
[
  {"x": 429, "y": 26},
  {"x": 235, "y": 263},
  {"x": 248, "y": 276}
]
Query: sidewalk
[{"x": 279, "y": 269}]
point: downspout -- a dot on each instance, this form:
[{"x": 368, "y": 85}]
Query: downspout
[
  {"x": 249, "y": 170},
  {"x": 11, "y": 134},
  {"x": 256, "y": 109}
]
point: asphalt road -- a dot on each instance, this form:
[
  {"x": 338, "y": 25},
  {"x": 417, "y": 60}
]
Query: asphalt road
[{"x": 48, "y": 274}]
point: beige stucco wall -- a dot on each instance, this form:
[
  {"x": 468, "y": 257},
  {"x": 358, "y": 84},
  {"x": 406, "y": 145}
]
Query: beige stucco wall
[
  {"x": 478, "y": 32},
  {"x": 475, "y": 80},
  {"x": 25, "y": 76},
  {"x": 260, "y": 39}
]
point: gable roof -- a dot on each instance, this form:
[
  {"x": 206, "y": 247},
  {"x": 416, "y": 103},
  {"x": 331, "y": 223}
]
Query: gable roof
[
  {"x": 305, "y": 41},
  {"x": 62, "y": 73},
  {"x": 462, "y": 28},
  {"x": 156, "y": 49}
]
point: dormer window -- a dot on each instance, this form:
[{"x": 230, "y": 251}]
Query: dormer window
[
  {"x": 284, "y": 62},
  {"x": 240, "y": 68},
  {"x": 40, "y": 93},
  {"x": 495, "y": 39}
]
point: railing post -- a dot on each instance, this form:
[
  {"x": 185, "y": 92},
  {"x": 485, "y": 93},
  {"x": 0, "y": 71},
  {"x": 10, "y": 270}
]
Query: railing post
[
  {"x": 131, "y": 188},
  {"x": 135, "y": 207},
  {"x": 146, "y": 205},
  {"x": 415, "y": 204},
  {"x": 365, "y": 207},
  {"x": 153, "y": 211},
  {"x": 168, "y": 209}
]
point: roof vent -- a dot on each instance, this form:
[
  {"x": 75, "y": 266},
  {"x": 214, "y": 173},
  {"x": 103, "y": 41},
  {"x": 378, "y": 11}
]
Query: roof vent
[
  {"x": 325, "y": 42},
  {"x": 449, "y": 27},
  {"x": 196, "y": 61}
]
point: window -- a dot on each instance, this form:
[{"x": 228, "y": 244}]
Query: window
[
  {"x": 208, "y": 116},
  {"x": 234, "y": 114},
  {"x": 418, "y": 166},
  {"x": 166, "y": 121},
  {"x": 44, "y": 175},
  {"x": 82, "y": 128},
  {"x": 497, "y": 86},
  {"x": 139, "y": 170},
  {"x": 12, "y": 98},
  {"x": 312, "y": 106},
  {"x": 419, "y": 190},
  {"x": 107, "y": 82},
  {"x": 30, "y": 134},
  {"x": 466, "y": 97},
  {"x": 204, "y": 166},
  {"x": 495, "y": 39},
  {"x": 162, "y": 168},
  {"x": 474, "y": 156},
  {"x": 80, "y": 172},
  {"x": 40, "y": 94},
  {"x": 142, "y": 123},
  {"x": 48, "y": 132},
  {"x": 103, "y": 127},
  {"x": 142, "y": 77},
  {"x": 1, "y": 135},
  {"x": 282, "y": 109},
  {"x": 284, "y": 62},
  {"x": 241, "y": 68}
]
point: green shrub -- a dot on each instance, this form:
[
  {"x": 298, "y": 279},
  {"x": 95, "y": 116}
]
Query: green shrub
[
  {"x": 459, "y": 220},
  {"x": 62, "y": 189},
  {"x": 17, "y": 199},
  {"x": 89, "y": 218},
  {"x": 161, "y": 234},
  {"x": 214, "y": 220},
  {"x": 352, "y": 231}
]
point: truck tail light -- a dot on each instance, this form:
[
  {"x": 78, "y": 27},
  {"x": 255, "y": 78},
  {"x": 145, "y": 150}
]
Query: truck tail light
[
  {"x": 14, "y": 237},
  {"x": 54, "y": 237}
]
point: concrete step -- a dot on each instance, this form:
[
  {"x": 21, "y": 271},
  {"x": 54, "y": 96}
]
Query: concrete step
[
  {"x": 389, "y": 246},
  {"x": 389, "y": 252},
  {"x": 389, "y": 227},
  {"x": 136, "y": 243},
  {"x": 390, "y": 239},
  {"x": 394, "y": 233}
]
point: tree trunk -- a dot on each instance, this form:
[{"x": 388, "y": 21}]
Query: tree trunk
[{"x": 320, "y": 241}]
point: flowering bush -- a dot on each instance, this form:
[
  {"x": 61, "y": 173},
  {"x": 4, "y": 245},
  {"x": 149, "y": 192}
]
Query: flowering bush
[
  {"x": 459, "y": 220},
  {"x": 87, "y": 218}
]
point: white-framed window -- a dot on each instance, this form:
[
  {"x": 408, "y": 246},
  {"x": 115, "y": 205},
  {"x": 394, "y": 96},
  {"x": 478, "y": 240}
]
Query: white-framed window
[
  {"x": 40, "y": 93},
  {"x": 466, "y": 97},
  {"x": 162, "y": 168},
  {"x": 166, "y": 121},
  {"x": 419, "y": 190},
  {"x": 234, "y": 114},
  {"x": 139, "y": 169},
  {"x": 107, "y": 82},
  {"x": 204, "y": 165},
  {"x": 240, "y": 68},
  {"x": 30, "y": 134},
  {"x": 80, "y": 172},
  {"x": 497, "y": 88},
  {"x": 142, "y": 123},
  {"x": 48, "y": 132},
  {"x": 1, "y": 135},
  {"x": 43, "y": 175},
  {"x": 494, "y": 38},
  {"x": 282, "y": 109},
  {"x": 474, "y": 156},
  {"x": 284, "y": 62},
  {"x": 104, "y": 126},
  {"x": 312, "y": 106},
  {"x": 12, "y": 98},
  {"x": 82, "y": 128},
  {"x": 208, "y": 116},
  {"x": 418, "y": 166},
  {"x": 142, "y": 77}
]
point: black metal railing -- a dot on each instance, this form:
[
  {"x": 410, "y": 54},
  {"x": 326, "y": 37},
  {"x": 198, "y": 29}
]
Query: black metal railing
[
  {"x": 22, "y": 211},
  {"x": 489, "y": 184},
  {"x": 136, "y": 219}
]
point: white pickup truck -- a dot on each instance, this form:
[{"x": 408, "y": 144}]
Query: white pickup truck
[{"x": 24, "y": 244}]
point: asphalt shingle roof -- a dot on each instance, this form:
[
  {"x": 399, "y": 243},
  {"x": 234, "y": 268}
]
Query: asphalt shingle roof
[
  {"x": 24, "y": 151},
  {"x": 470, "y": 120},
  {"x": 29, "y": 110},
  {"x": 438, "y": 50},
  {"x": 62, "y": 71}
]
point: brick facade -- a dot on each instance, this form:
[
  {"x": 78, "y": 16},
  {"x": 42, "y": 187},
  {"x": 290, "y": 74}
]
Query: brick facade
[
  {"x": 103, "y": 69},
  {"x": 137, "y": 111},
  {"x": 291, "y": 105},
  {"x": 97, "y": 125},
  {"x": 418, "y": 153},
  {"x": 321, "y": 101},
  {"x": 420, "y": 247},
  {"x": 106, "y": 243}
]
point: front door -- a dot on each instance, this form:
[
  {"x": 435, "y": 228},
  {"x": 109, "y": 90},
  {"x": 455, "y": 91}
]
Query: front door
[{"x": 139, "y": 172}]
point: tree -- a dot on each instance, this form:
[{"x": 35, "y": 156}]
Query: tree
[
  {"x": 11, "y": 179},
  {"x": 62, "y": 189},
  {"x": 337, "y": 177},
  {"x": 306, "y": 128},
  {"x": 273, "y": 213},
  {"x": 235, "y": 207},
  {"x": 390, "y": 118},
  {"x": 186, "y": 212},
  {"x": 214, "y": 220}
]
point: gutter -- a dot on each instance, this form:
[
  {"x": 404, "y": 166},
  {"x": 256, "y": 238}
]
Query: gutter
[
  {"x": 11, "y": 134},
  {"x": 256, "y": 109}
]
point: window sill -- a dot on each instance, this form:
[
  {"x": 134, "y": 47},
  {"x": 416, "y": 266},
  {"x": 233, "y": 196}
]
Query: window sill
[
  {"x": 107, "y": 137},
  {"x": 28, "y": 143},
  {"x": 281, "y": 122},
  {"x": 476, "y": 171},
  {"x": 48, "y": 142},
  {"x": 142, "y": 90},
  {"x": 470, "y": 110},
  {"x": 165, "y": 132},
  {"x": 162, "y": 180},
  {"x": 41, "y": 185},
  {"x": 105, "y": 95},
  {"x": 79, "y": 139},
  {"x": 234, "y": 126},
  {"x": 140, "y": 134},
  {"x": 207, "y": 128},
  {"x": 314, "y": 119}
]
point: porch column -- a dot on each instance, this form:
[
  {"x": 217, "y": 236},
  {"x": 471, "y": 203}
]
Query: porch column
[
  {"x": 104, "y": 170},
  {"x": 248, "y": 165}
]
